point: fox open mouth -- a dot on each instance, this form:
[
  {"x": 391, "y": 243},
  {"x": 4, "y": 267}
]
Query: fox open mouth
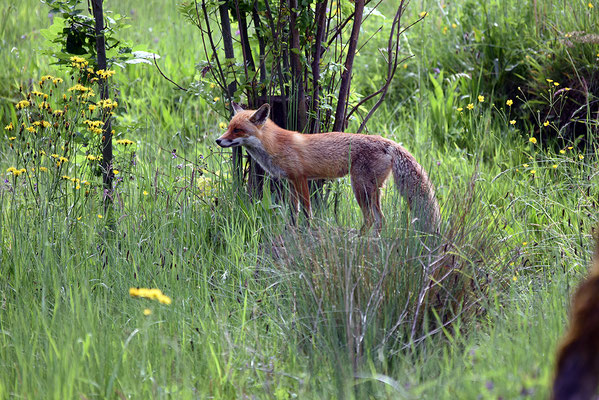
[{"x": 227, "y": 143}]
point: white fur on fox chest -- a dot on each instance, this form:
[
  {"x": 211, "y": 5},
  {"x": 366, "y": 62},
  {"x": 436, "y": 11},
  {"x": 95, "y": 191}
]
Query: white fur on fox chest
[{"x": 254, "y": 146}]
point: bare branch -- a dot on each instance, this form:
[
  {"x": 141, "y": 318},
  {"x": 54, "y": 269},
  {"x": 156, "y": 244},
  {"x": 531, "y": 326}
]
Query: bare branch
[{"x": 166, "y": 77}]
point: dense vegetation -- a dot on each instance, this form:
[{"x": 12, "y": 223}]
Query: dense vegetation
[{"x": 498, "y": 104}]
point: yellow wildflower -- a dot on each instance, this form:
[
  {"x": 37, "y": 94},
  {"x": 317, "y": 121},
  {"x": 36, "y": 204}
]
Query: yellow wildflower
[
  {"x": 145, "y": 193},
  {"x": 78, "y": 62},
  {"x": 590, "y": 5},
  {"x": 222, "y": 125},
  {"x": 549, "y": 80},
  {"x": 555, "y": 84},
  {"x": 216, "y": 99},
  {"x": 423, "y": 14},
  {"x": 152, "y": 294},
  {"x": 533, "y": 140},
  {"x": 454, "y": 26},
  {"x": 147, "y": 311},
  {"x": 115, "y": 171},
  {"x": 12, "y": 138},
  {"x": 125, "y": 142},
  {"x": 22, "y": 104},
  {"x": 459, "y": 109},
  {"x": 100, "y": 216},
  {"x": 9, "y": 127},
  {"x": 581, "y": 156},
  {"x": 470, "y": 106},
  {"x": 79, "y": 88},
  {"x": 481, "y": 99},
  {"x": 525, "y": 165},
  {"x": 513, "y": 122},
  {"x": 533, "y": 172},
  {"x": 546, "y": 123},
  {"x": 562, "y": 151},
  {"x": 31, "y": 129},
  {"x": 509, "y": 102}
]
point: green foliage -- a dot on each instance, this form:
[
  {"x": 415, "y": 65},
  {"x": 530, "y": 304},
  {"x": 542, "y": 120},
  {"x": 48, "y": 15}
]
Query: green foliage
[
  {"x": 74, "y": 33},
  {"x": 55, "y": 153}
]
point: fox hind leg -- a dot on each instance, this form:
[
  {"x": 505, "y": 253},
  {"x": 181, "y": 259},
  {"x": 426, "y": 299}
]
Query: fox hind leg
[{"x": 368, "y": 196}]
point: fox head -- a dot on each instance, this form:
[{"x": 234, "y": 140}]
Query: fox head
[{"x": 244, "y": 125}]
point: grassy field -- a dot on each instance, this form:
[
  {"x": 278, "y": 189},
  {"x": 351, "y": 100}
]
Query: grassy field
[{"x": 261, "y": 310}]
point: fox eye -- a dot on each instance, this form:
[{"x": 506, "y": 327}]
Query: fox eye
[{"x": 237, "y": 130}]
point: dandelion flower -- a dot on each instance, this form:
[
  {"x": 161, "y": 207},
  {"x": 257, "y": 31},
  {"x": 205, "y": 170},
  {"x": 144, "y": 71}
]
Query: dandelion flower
[
  {"x": 513, "y": 122},
  {"x": 22, "y": 104},
  {"x": 509, "y": 102},
  {"x": 533, "y": 140},
  {"x": 481, "y": 99},
  {"x": 470, "y": 106}
]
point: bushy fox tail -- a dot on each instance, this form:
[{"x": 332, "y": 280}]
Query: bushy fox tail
[
  {"x": 577, "y": 367},
  {"x": 413, "y": 183}
]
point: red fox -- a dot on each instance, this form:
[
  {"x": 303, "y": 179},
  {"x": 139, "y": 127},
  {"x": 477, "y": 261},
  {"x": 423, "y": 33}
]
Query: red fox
[
  {"x": 577, "y": 368},
  {"x": 368, "y": 159}
]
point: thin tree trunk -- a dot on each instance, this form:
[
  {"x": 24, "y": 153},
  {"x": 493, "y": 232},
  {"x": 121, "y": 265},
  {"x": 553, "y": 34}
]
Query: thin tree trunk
[
  {"x": 107, "y": 174},
  {"x": 339, "y": 124},
  {"x": 320, "y": 18},
  {"x": 231, "y": 87},
  {"x": 296, "y": 67}
]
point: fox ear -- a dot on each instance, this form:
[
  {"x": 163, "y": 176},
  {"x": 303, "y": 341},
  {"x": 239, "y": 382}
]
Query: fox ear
[
  {"x": 236, "y": 108},
  {"x": 261, "y": 115}
]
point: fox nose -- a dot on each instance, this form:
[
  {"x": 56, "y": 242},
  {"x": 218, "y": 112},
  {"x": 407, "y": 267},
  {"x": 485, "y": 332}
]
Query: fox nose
[{"x": 218, "y": 141}]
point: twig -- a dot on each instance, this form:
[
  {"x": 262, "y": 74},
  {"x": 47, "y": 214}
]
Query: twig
[{"x": 166, "y": 77}]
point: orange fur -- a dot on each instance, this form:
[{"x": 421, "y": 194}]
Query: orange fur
[
  {"x": 368, "y": 159},
  {"x": 577, "y": 367}
]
